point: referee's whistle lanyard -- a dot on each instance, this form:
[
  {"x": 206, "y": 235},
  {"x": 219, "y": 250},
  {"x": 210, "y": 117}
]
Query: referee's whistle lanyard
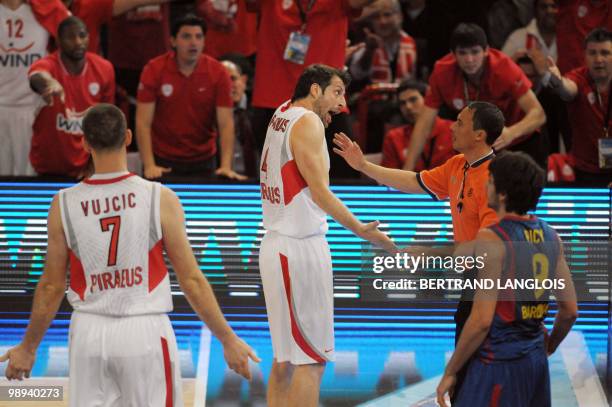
[
  {"x": 606, "y": 114},
  {"x": 466, "y": 167}
]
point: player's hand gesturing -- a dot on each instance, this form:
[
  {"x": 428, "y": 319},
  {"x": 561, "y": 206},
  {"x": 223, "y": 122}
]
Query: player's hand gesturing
[
  {"x": 237, "y": 354},
  {"x": 447, "y": 385},
  {"x": 53, "y": 88},
  {"x": 370, "y": 232},
  {"x": 350, "y": 151},
  {"x": 20, "y": 362}
]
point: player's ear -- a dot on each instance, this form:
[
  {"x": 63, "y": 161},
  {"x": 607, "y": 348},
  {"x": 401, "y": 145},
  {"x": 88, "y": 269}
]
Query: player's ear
[
  {"x": 315, "y": 90},
  {"x": 128, "y": 137}
]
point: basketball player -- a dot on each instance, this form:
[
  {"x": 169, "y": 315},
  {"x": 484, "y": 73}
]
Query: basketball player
[
  {"x": 110, "y": 230},
  {"x": 24, "y": 34},
  {"x": 294, "y": 259},
  {"x": 504, "y": 340}
]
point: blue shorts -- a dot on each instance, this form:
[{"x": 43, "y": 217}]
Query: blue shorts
[{"x": 519, "y": 383}]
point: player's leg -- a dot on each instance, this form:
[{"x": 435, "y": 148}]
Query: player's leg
[
  {"x": 278, "y": 384},
  {"x": 144, "y": 361},
  {"x": 278, "y": 319},
  {"x": 90, "y": 382},
  {"x": 305, "y": 385}
]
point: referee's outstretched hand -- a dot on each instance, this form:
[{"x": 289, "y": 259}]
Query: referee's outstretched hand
[{"x": 237, "y": 354}]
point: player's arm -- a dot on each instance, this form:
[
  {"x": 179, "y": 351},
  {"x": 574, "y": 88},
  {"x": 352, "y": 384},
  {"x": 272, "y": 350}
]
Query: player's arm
[
  {"x": 123, "y": 6},
  {"x": 46, "y": 86},
  {"x": 144, "y": 121},
  {"x": 307, "y": 138},
  {"x": 567, "y": 307},
  {"x": 405, "y": 181},
  {"x": 47, "y": 298},
  {"x": 534, "y": 119},
  {"x": 476, "y": 328},
  {"x": 195, "y": 286},
  {"x": 227, "y": 135},
  {"x": 422, "y": 129}
]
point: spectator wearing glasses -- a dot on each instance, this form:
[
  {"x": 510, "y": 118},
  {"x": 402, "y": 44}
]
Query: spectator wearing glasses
[{"x": 439, "y": 146}]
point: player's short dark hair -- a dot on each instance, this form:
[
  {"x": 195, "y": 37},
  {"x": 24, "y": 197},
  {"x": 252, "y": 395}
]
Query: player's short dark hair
[
  {"x": 517, "y": 175},
  {"x": 319, "y": 74},
  {"x": 467, "y": 35},
  {"x": 104, "y": 127},
  {"x": 486, "y": 116},
  {"x": 599, "y": 34},
  {"x": 69, "y": 22},
  {"x": 412, "y": 84},
  {"x": 187, "y": 20}
]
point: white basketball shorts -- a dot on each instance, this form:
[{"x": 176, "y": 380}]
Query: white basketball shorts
[
  {"x": 298, "y": 287},
  {"x": 123, "y": 361},
  {"x": 15, "y": 140}
]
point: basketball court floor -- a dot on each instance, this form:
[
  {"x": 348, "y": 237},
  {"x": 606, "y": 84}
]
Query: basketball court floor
[{"x": 393, "y": 360}]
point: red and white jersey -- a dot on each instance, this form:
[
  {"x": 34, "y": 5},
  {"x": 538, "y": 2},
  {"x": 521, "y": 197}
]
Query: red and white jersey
[
  {"x": 113, "y": 229},
  {"x": 287, "y": 204},
  {"x": 22, "y": 42}
]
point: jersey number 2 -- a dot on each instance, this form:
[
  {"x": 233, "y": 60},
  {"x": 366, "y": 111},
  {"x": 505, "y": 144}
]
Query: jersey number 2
[{"x": 105, "y": 224}]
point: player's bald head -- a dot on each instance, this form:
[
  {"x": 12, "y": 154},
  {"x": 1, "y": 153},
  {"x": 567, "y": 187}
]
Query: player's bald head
[
  {"x": 68, "y": 22},
  {"x": 104, "y": 127}
]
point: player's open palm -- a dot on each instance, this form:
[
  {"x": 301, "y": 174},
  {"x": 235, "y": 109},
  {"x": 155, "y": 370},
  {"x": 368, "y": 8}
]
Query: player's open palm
[
  {"x": 371, "y": 233},
  {"x": 20, "y": 362},
  {"x": 349, "y": 150},
  {"x": 237, "y": 354}
]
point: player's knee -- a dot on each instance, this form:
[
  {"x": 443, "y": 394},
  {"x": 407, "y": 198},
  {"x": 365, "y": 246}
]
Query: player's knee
[{"x": 282, "y": 370}]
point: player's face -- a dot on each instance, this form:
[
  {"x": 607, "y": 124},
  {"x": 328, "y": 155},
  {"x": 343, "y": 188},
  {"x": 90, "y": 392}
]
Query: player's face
[
  {"x": 331, "y": 101},
  {"x": 74, "y": 41},
  {"x": 546, "y": 14},
  {"x": 599, "y": 59},
  {"x": 463, "y": 132},
  {"x": 471, "y": 59},
  {"x": 386, "y": 21},
  {"x": 188, "y": 43},
  {"x": 411, "y": 104}
]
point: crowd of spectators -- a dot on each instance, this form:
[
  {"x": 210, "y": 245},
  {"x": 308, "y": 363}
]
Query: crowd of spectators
[{"x": 200, "y": 79}]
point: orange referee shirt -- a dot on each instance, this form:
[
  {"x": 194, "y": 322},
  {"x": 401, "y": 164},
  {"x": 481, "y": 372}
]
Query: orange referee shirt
[{"x": 465, "y": 186}]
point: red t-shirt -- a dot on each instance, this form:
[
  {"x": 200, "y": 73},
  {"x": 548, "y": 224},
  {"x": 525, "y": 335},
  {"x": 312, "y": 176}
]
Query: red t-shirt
[
  {"x": 94, "y": 14},
  {"x": 586, "y": 118},
  {"x": 327, "y": 24},
  {"x": 502, "y": 84},
  {"x": 49, "y": 14},
  {"x": 139, "y": 35},
  {"x": 184, "y": 124},
  {"x": 438, "y": 148},
  {"x": 575, "y": 20},
  {"x": 57, "y": 135},
  {"x": 242, "y": 40}
]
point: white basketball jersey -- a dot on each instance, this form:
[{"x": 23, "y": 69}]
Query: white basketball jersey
[
  {"x": 287, "y": 204},
  {"x": 113, "y": 229},
  {"x": 23, "y": 41}
]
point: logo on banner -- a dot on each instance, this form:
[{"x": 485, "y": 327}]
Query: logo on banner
[
  {"x": 94, "y": 88},
  {"x": 167, "y": 89}
]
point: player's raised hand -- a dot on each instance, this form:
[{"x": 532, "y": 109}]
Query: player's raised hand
[
  {"x": 447, "y": 385},
  {"x": 237, "y": 354},
  {"x": 371, "y": 233},
  {"x": 53, "y": 89},
  {"x": 350, "y": 151},
  {"x": 20, "y": 362},
  {"x": 155, "y": 171}
]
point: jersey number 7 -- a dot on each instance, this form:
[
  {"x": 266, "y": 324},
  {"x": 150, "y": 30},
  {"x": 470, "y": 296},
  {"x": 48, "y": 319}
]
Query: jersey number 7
[{"x": 105, "y": 224}]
